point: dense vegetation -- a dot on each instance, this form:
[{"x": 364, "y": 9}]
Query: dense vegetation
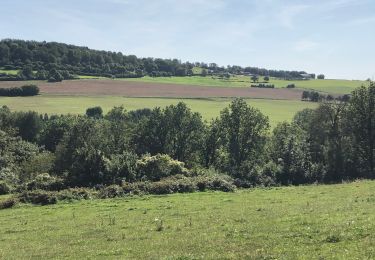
[
  {"x": 24, "y": 91},
  {"x": 57, "y": 61},
  {"x": 173, "y": 146},
  {"x": 315, "y": 96}
]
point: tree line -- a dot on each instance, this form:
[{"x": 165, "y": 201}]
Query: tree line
[
  {"x": 23, "y": 91},
  {"x": 57, "y": 61},
  {"x": 332, "y": 143}
]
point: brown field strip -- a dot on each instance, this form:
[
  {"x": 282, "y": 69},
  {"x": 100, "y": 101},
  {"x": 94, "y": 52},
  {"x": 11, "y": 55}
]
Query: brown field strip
[{"x": 100, "y": 87}]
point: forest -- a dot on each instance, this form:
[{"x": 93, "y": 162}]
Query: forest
[
  {"x": 171, "y": 149},
  {"x": 57, "y": 61}
]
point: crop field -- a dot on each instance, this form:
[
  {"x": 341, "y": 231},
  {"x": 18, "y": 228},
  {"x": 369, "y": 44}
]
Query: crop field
[
  {"x": 103, "y": 87},
  {"x": 276, "y": 110},
  {"x": 333, "y": 86},
  {"x": 306, "y": 222}
]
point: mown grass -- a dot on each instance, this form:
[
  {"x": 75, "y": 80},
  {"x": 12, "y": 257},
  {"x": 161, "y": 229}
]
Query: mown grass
[
  {"x": 329, "y": 86},
  {"x": 276, "y": 110},
  {"x": 307, "y": 222}
]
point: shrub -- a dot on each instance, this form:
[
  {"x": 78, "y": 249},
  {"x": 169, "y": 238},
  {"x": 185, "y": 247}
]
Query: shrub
[
  {"x": 111, "y": 191},
  {"x": 176, "y": 184},
  {"x": 95, "y": 112},
  {"x": 8, "y": 203},
  {"x": 39, "y": 197},
  {"x": 4, "y": 188},
  {"x": 24, "y": 91},
  {"x": 45, "y": 182},
  {"x": 291, "y": 85},
  {"x": 159, "y": 166},
  {"x": 75, "y": 194},
  {"x": 263, "y": 85}
]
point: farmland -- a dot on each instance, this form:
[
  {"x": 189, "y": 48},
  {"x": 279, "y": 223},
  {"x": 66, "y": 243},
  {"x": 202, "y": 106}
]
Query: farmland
[
  {"x": 276, "y": 110},
  {"x": 328, "y": 86},
  {"x": 306, "y": 222}
]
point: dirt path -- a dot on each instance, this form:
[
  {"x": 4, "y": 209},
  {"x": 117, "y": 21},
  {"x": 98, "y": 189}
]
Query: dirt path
[{"x": 141, "y": 89}]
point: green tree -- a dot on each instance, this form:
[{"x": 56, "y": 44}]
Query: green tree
[
  {"x": 254, "y": 78},
  {"x": 94, "y": 112},
  {"x": 243, "y": 133},
  {"x": 361, "y": 125}
]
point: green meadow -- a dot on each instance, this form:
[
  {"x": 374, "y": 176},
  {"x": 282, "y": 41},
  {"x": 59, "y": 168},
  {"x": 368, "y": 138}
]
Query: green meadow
[
  {"x": 305, "y": 222},
  {"x": 329, "y": 85},
  {"x": 276, "y": 110},
  {"x": 333, "y": 86}
]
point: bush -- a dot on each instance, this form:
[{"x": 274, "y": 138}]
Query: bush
[
  {"x": 291, "y": 85},
  {"x": 4, "y": 188},
  {"x": 263, "y": 85},
  {"x": 159, "y": 166},
  {"x": 95, "y": 112},
  {"x": 111, "y": 191},
  {"x": 39, "y": 197},
  {"x": 8, "y": 203},
  {"x": 24, "y": 91},
  {"x": 45, "y": 182},
  {"x": 75, "y": 194},
  {"x": 217, "y": 183},
  {"x": 175, "y": 184}
]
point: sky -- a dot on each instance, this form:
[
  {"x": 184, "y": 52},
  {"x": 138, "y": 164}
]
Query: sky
[{"x": 333, "y": 37}]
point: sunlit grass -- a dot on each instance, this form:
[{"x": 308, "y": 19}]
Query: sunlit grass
[{"x": 307, "y": 222}]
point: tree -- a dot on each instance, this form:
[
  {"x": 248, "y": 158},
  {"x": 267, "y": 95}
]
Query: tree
[
  {"x": 204, "y": 72},
  {"x": 254, "y": 78},
  {"x": 29, "y": 125},
  {"x": 266, "y": 78},
  {"x": 289, "y": 150},
  {"x": 83, "y": 153},
  {"x": 361, "y": 126},
  {"x": 175, "y": 131},
  {"x": 94, "y": 112},
  {"x": 27, "y": 72},
  {"x": 321, "y": 76},
  {"x": 243, "y": 132},
  {"x": 305, "y": 95}
]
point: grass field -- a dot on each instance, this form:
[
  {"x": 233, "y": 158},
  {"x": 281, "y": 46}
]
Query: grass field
[
  {"x": 328, "y": 86},
  {"x": 306, "y": 222},
  {"x": 334, "y": 86},
  {"x": 276, "y": 110},
  {"x": 9, "y": 72}
]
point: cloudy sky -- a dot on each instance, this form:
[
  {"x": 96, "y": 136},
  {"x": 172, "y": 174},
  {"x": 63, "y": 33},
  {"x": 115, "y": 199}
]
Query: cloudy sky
[{"x": 334, "y": 37}]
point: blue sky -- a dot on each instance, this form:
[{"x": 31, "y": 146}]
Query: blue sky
[{"x": 334, "y": 37}]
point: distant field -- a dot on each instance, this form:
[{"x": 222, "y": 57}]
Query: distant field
[
  {"x": 306, "y": 222},
  {"x": 334, "y": 86},
  {"x": 329, "y": 86},
  {"x": 9, "y": 72},
  {"x": 276, "y": 110},
  {"x": 103, "y": 87}
]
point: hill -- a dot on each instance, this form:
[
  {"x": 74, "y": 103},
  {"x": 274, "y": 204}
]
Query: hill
[{"x": 59, "y": 61}]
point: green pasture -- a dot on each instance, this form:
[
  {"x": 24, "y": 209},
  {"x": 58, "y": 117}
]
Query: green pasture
[
  {"x": 329, "y": 86},
  {"x": 276, "y": 110},
  {"x": 9, "y": 72},
  {"x": 306, "y": 222}
]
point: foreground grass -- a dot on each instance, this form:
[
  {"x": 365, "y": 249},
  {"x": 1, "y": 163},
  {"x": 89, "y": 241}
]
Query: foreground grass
[
  {"x": 308, "y": 222},
  {"x": 276, "y": 110},
  {"x": 329, "y": 86}
]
